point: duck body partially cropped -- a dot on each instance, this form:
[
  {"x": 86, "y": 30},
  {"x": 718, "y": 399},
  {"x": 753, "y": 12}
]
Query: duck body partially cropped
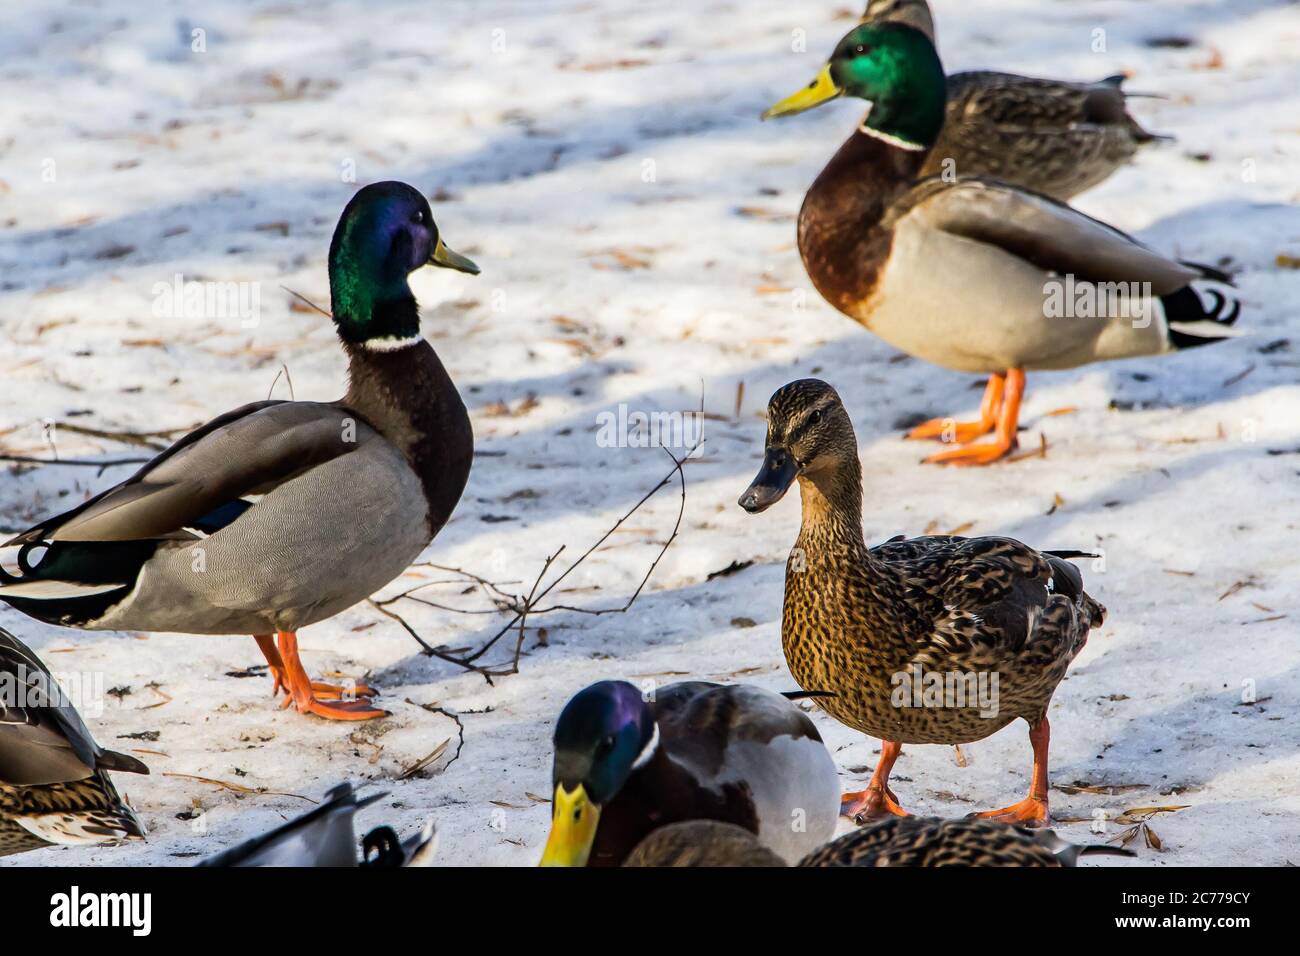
[
  {"x": 972, "y": 273},
  {"x": 325, "y": 837},
  {"x": 625, "y": 766},
  {"x": 897, "y": 841},
  {"x": 930, "y": 841},
  {"x": 1054, "y": 137},
  {"x": 278, "y": 515},
  {"x": 54, "y": 784},
  {"x": 937, "y": 639}
]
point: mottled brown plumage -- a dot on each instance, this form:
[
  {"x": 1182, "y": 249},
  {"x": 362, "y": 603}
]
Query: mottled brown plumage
[
  {"x": 870, "y": 623},
  {"x": 81, "y": 812},
  {"x": 54, "y": 785},
  {"x": 1052, "y": 136},
  {"x": 702, "y": 843},
  {"x": 930, "y": 841},
  {"x": 906, "y": 841}
]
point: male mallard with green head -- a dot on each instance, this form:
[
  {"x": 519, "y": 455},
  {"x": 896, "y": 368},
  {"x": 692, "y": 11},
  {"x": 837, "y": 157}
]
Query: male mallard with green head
[
  {"x": 54, "y": 783},
  {"x": 991, "y": 617},
  {"x": 280, "y": 514},
  {"x": 975, "y": 275},
  {"x": 627, "y": 763},
  {"x": 1052, "y": 136}
]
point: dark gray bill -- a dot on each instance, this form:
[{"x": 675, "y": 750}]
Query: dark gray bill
[{"x": 773, "y": 481}]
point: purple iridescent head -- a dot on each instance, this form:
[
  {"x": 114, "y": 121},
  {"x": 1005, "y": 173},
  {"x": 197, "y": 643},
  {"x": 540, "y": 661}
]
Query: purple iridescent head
[
  {"x": 601, "y": 735},
  {"x": 385, "y": 233}
]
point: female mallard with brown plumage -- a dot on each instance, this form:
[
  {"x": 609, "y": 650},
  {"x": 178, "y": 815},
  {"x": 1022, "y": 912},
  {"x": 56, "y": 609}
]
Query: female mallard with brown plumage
[
  {"x": 1052, "y": 136},
  {"x": 992, "y": 617},
  {"x": 898, "y": 841},
  {"x": 54, "y": 784},
  {"x": 974, "y": 274}
]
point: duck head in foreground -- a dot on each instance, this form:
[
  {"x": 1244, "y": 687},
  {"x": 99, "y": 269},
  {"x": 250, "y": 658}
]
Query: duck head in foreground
[{"x": 627, "y": 763}]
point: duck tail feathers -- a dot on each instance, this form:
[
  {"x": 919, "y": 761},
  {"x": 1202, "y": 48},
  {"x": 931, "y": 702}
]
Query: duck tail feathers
[
  {"x": 122, "y": 763},
  {"x": 1191, "y": 323},
  {"x": 1067, "y": 853}
]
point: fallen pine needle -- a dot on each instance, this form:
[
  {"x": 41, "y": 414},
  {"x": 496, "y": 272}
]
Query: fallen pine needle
[
  {"x": 423, "y": 762},
  {"x": 1039, "y": 452},
  {"x": 238, "y": 787}
]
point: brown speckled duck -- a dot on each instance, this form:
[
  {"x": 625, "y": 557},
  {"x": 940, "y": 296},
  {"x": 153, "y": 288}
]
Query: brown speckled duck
[
  {"x": 897, "y": 841},
  {"x": 1052, "y": 136},
  {"x": 54, "y": 784},
  {"x": 994, "y": 621}
]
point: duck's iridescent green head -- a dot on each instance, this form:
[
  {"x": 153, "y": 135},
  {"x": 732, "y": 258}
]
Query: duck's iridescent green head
[
  {"x": 385, "y": 233},
  {"x": 892, "y": 66},
  {"x": 604, "y": 733}
]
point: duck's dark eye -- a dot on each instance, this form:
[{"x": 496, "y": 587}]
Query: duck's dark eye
[
  {"x": 859, "y": 49},
  {"x": 419, "y": 216},
  {"x": 815, "y": 417},
  {"x": 606, "y": 744}
]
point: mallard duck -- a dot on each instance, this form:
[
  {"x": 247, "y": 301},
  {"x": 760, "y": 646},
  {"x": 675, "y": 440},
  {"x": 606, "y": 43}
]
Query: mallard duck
[
  {"x": 974, "y": 274},
  {"x": 701, "y": 843},
  {"x": 625, "y": 765},
  {"x": 281, "y": 514},
  {"x": 898, "y": 841},
  {"x": 1052, "y": 136},
  {"x": 930, "y": 841},
  {"x": 324, "y": 837},
  {"x": 54, "y": 784},
  {"x": 994, "y": 622}
]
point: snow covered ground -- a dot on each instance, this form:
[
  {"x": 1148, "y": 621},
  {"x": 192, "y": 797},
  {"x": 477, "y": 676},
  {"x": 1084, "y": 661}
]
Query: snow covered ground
[{"x": 604, "y": 164}]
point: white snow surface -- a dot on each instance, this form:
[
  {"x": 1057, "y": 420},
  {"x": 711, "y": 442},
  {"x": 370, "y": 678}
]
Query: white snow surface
[{"x": 604, "y": 164}]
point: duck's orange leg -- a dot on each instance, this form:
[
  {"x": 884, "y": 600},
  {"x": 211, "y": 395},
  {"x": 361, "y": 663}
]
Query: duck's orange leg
[
  {"x": 1031, "y": 811},
  {"x": 1004, "y": 439},
  {"x": 322, "y": 690},
  {"x": 302, "y": 692},
  {"x": 877, "y": 800},
  {"x": 951, "y": 430}
]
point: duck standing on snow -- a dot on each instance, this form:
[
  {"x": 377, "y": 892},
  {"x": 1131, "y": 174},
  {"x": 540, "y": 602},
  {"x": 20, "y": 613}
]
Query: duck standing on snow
[
  {"x": 1051, "y": 136},
  {"x": 625, "y": 765},
  {"x": 898, "y": 841},
  {"x": 280, "y": 514},
  {"x": 992, "y": 618},
  {"x": 974, "y": 274},
  {"x": 54, "y": 784}
]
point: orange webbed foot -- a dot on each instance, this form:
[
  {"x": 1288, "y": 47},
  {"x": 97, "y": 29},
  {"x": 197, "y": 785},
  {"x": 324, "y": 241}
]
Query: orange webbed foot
[
  {"x": 1030, "y": 812},
  {"x": 341, "y": 710},
  {"x": 331, "y": 701},
  {"x": 949, "y": 430},
  {"x": 873, "y": 803},
  {"x": 973, "y": 455}
]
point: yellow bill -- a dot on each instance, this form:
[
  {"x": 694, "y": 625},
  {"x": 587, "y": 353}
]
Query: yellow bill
[
  {"x": 447, "y": 259},
  {"x": 573, "y": 828},
  {"x": 819, "y": 91}
]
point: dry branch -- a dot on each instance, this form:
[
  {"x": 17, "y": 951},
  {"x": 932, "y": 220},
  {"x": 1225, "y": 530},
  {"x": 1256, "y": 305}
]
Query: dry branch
[{"x": 522, "y": 607}]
